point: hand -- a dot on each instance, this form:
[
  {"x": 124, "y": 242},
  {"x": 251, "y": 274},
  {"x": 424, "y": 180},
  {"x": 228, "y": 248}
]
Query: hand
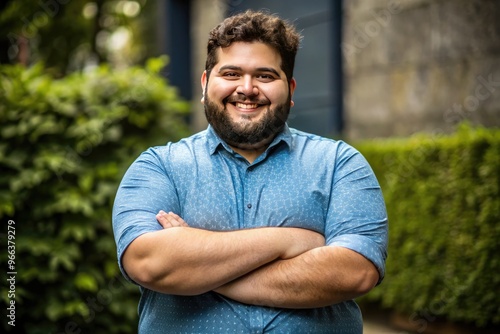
[
  {"x": 300, "y": 240},
  {"x": 168, "y": 220}
]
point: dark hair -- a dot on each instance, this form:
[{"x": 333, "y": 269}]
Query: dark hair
[{"x": 252, "y": 26}]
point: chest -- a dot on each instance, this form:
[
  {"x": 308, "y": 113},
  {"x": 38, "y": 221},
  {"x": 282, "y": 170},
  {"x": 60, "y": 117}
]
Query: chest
[{"x": 222, "y": 195}]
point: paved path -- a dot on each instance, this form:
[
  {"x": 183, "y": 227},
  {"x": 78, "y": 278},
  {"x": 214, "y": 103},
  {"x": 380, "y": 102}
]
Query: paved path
[{"x": 370, "y": 327}]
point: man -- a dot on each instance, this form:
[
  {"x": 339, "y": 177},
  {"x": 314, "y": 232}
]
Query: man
[{"x": 250, "y": 226}]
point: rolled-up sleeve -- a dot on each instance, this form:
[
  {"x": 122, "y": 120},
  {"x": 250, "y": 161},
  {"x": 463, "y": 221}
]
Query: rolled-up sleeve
[
  {"x": 144, "y": 190},
  {"x": 357, "y": 217}
]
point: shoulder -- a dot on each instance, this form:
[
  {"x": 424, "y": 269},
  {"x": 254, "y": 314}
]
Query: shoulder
[
  {"x": 184, "y": 153},
  {"x": 195, "y": 142},
  {"x": 308, "y": 142}
]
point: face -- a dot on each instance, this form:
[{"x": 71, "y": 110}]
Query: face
[{"x": 247, "y": 97}]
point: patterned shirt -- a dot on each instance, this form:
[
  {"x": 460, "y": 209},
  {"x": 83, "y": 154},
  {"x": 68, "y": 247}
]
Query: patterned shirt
[{"x": 301, "y": 180}]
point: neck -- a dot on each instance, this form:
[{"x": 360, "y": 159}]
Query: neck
[
  {"x": 249, "y": 154},
  {"x": 251, "y": 151}
]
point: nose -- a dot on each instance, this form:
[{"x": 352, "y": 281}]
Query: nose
[{"x": 247, "y": 86}]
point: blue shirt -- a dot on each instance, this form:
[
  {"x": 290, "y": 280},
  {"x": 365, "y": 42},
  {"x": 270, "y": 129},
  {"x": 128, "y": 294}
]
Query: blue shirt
[{"x": 301, "y": 180}]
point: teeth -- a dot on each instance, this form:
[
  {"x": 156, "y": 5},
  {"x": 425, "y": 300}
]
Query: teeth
[{"x": 246, "y": 106}]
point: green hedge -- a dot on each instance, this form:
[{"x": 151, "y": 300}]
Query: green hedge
[
  {"x": 443, "y": 201},
  {"x": 65, "y": 144}
]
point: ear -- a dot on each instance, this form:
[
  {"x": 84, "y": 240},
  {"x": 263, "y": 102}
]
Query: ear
[
  {"x": 292, "y": 86},
  {"x": 203, "y": 85}
]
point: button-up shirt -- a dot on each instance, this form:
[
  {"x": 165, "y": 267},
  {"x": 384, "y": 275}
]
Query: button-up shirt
[{"x": 301, "y": 180}]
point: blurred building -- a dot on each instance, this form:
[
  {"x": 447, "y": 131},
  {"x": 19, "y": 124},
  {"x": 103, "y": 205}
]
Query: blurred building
[
  {"x": 420, "y": 65},
  {"x": 367, "y": 68}
]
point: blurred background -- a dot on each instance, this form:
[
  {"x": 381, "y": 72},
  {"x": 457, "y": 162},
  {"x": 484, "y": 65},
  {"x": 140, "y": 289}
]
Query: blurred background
[
  {"x": 365, "y": 69},
  {"x": 87, "y": 85}
]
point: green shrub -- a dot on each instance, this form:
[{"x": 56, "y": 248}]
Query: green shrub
[
  {"x": 443, "y": 201},
  {"x": 64, "y": 147}
]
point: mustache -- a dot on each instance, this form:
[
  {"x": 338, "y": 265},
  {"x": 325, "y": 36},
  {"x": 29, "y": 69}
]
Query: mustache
[{"x": 244, "y": 99}]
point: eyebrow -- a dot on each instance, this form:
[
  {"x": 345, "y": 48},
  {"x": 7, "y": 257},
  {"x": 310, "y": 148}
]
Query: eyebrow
[{"x": 259, "y": 69}]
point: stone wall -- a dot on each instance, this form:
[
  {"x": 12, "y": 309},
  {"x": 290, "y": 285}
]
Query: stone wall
[{"x": 420, "y": 65}]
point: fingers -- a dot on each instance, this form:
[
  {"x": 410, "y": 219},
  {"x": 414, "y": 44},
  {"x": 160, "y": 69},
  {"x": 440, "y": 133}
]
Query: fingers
[{"x": 170, "y": 219}]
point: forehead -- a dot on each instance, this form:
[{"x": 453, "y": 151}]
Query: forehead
[{"x": 248, "y": 55}]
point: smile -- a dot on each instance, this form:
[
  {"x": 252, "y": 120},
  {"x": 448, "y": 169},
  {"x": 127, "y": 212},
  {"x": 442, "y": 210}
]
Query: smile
[{"x": 246, "y": 105}]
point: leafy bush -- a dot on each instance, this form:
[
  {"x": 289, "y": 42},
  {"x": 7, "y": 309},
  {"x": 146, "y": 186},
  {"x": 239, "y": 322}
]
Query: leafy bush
[
  {"x": 443, "y": 199},
  {"x": 65, "y": 145}
]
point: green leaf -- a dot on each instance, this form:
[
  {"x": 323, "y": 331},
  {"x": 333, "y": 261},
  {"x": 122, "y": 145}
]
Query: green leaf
[{"x": 86, "y": 282}]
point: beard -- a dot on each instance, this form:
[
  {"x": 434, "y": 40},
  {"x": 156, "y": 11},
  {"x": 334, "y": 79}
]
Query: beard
[{"x": 245, "y": 132}]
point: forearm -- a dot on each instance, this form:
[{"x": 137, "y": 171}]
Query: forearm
[
  {"x": 188, "y": 261},
  {"x": 319, "y": 277}
]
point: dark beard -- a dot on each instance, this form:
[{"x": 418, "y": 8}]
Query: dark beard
[{"x": 249, "y": 134}]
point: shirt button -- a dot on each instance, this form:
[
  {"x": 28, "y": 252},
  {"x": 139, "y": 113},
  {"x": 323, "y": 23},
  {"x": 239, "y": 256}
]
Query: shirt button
[{"x": 249, "y": 205}]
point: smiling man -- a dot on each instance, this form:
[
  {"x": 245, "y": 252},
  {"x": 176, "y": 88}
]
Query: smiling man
[
  {"x": 253, "y": 94},
  {"x": 251, "y": 226}
]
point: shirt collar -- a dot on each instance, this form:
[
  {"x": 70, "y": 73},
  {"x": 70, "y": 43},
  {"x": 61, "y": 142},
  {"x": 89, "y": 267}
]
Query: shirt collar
[{"x": 214, "y": 141}]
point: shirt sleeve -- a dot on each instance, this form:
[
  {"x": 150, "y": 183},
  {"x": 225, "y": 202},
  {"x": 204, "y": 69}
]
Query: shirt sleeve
[
  {"x": 144, "y": 190},
  {"x": 357, "y": 217}
]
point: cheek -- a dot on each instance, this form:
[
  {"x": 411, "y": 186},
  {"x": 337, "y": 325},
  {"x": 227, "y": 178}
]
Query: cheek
[
  {"x": 277, "y": 92},
  {"x": 277, "y": 97},
  {"x": 220, "y": 90}
]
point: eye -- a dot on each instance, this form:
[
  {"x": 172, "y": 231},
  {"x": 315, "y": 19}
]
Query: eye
[
  {"x": 266, "y": 77},
  {"x": 230, "y": 75}
]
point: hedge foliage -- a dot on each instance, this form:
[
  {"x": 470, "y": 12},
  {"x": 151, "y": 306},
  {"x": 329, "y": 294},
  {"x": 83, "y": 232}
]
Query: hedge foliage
[
  {"x": 65, "y": 144},
  {"x": 443, "y": 200}
]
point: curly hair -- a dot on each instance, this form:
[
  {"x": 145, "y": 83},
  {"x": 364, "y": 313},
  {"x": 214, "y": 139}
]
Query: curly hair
[{"x": 255, "y": 26}]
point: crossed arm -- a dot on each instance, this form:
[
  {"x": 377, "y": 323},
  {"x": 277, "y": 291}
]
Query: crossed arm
[{"x": 270, "y": 266}]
